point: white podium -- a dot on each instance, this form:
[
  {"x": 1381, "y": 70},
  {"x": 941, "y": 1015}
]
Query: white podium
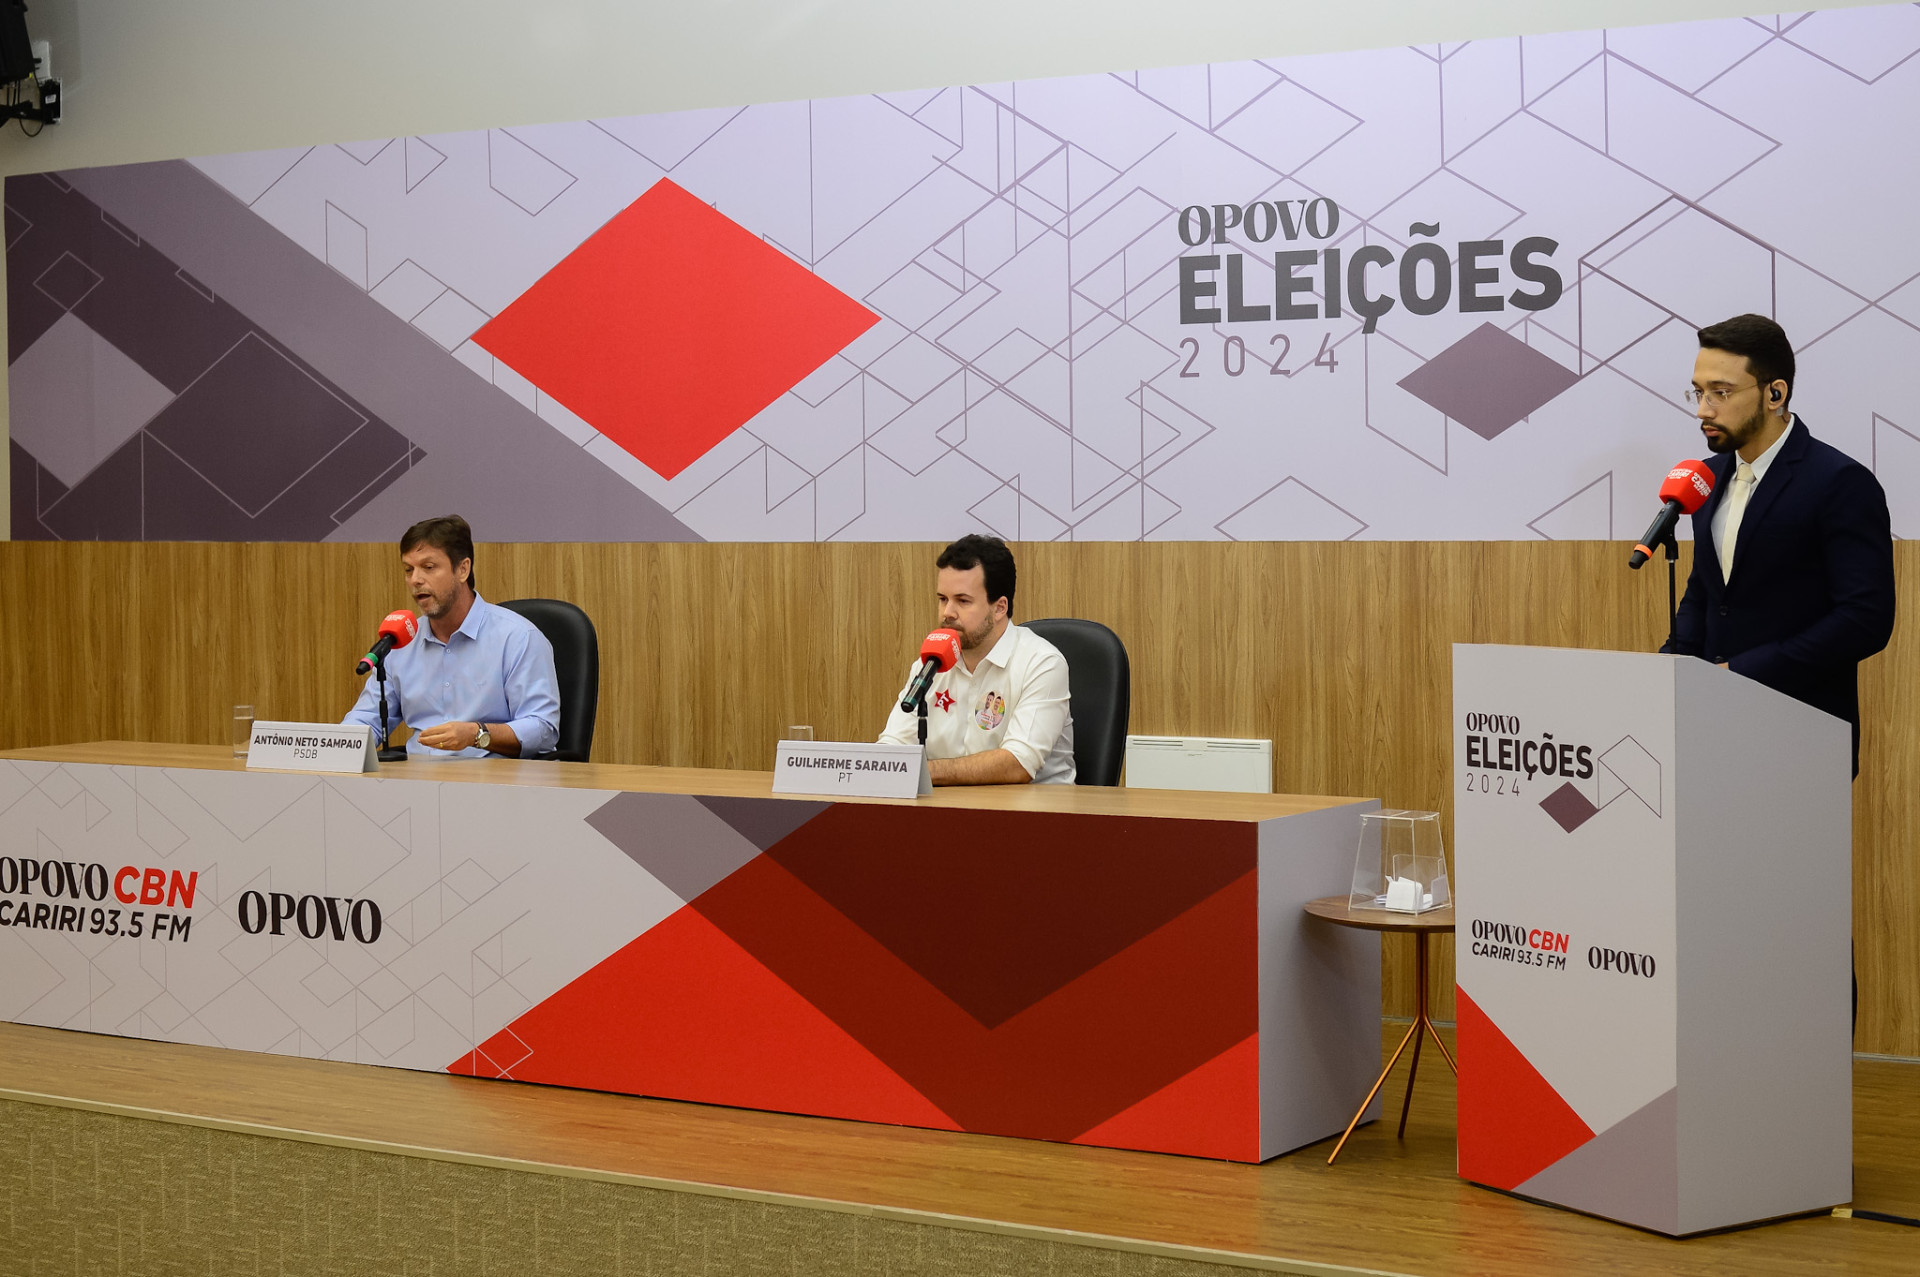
[{"x": 1654, "y": 900}]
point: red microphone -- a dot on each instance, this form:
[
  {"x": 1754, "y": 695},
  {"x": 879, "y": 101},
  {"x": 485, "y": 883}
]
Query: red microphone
[
  {"x": 397, "y": 630},
  {"x": 938, "y": 653},
  {"x": 1690, "y": 483},
  {"x": 1687, "y": 488}
]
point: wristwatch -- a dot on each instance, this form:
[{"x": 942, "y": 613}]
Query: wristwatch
[{"x": 484, "y": 739}]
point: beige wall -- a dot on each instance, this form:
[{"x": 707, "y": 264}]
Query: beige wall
[{"x": 195, "y": 77}]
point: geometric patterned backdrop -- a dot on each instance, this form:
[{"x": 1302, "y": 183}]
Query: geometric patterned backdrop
[
  {"x": 907, "y": 315},
  {"x": 138, "y": 397}
]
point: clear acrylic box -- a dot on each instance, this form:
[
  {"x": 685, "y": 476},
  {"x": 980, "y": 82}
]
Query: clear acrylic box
[{"x": 1400, "y": 863}]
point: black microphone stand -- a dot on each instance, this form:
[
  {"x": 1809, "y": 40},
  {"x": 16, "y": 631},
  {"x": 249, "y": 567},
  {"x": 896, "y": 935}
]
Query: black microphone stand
[
  {"x": 919, "y": 702},
  {"x": 1672, "y": 543},
  {"x": 388, "y": 754}
]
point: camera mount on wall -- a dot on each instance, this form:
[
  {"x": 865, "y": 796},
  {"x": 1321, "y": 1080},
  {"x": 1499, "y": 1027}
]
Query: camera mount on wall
[
  {"x": 24, "y": 96},
  {"x": 44, "y": 112}
]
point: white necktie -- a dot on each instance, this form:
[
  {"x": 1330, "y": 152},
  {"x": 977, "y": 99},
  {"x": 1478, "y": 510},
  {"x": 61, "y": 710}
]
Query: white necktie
[{"x": 1736, "y": 508}]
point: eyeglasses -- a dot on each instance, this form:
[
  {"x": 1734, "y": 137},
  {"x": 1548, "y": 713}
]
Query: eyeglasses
[{"x": 1718, "y": 396}]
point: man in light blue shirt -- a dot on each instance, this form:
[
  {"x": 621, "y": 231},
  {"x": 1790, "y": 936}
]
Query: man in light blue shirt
[{"x": 479, "y": 680}]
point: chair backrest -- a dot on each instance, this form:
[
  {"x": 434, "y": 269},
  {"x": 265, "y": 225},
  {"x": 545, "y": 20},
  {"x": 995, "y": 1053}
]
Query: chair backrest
[
  {"x": 576, "y": 663},
  {"x": 1100, "y": 684}
]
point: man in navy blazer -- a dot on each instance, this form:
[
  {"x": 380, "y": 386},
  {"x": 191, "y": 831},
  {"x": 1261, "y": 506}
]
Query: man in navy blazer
[{"x": 1792, "y": 581}]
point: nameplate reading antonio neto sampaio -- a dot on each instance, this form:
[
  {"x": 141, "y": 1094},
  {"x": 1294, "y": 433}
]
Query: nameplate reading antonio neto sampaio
[{"x": 311, "y": 747}]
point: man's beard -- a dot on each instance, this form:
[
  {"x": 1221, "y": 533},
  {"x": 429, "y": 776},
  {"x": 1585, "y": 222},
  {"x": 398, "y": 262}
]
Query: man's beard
[
  {"x": 1731, "y": 438},
  {"x": 971, "y": 640}
]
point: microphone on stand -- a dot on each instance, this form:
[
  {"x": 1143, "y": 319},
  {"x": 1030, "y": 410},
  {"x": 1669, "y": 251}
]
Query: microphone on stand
[
  {"x": 396, "y": 630},
  {"x": 938, "y": 653},
  {"x": 1687, "y": 488}
]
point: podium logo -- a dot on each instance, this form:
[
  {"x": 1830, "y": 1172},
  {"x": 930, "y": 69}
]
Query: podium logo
[
  {"x": 1625, "y": 768},
  {"x": 1521, "y": 945},
  {"x": 1504, "y": 758}
]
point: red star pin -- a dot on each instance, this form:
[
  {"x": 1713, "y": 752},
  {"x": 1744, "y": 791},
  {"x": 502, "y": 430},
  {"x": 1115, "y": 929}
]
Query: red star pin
[{"x": 944, "y": 699}]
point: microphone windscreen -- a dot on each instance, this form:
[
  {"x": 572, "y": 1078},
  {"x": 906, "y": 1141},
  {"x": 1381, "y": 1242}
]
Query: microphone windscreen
[
  {"x": 942, "y": 646},
  {"x": 401, "y": 627},
  {"x": 1690, "y": 483}
]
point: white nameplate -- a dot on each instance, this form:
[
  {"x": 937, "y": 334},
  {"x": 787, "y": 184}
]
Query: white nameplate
[
  {"x": 858, "y": 769},
  {"x": 312, "y": 747}
]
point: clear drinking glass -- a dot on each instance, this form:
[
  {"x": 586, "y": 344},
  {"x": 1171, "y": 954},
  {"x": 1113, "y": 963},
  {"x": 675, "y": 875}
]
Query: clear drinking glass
[
  {"x": 242, "y": 730},
  {"x": 800, "y": 731}
]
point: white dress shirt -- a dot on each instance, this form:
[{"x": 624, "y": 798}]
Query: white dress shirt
[
  {"x": 1015, "y": 699},
  {"x": 1760, "y": 465}
]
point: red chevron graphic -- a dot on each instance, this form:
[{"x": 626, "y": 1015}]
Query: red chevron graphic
[
  {"x": 1211, "y": 1112},
  {"x": 685, "y": 1013},
  {"x": 1513, "y": 1124},
  {"x": 1098, "y": 1044}
]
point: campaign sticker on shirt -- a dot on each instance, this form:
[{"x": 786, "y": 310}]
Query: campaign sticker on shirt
[
  {"x": 993, "y": 708},
  {"x": 944, "y": 699}
]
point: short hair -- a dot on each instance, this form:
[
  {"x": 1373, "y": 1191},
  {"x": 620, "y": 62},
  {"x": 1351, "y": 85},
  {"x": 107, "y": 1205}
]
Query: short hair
[
  {"x": 1764, "y": 344},
  {"x": 991, "y": 555},
  {"x": 448, "y": 534}
]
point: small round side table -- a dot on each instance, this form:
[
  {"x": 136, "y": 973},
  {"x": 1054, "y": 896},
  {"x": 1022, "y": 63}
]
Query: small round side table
[{"x": 1334, "y": 909}]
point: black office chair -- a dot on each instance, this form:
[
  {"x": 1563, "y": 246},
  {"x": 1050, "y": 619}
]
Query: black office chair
[
  {"x": 1100, "y": 688},
  {"x": 576, "y": 663}
]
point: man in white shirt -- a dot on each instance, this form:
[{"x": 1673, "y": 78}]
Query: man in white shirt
[{"x": 1000, "y": 716}]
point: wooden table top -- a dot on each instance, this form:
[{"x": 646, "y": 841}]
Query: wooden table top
[
  {"x": 1335, "y": 909},
  {"x": 1091, "y": 800}
]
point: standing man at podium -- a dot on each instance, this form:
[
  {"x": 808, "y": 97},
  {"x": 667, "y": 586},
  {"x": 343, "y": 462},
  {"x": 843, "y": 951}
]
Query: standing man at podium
[
  {"x": 1792, "y": 581},
  {"x": 480, "y": 679},
  {"x": 1001, "y": 715}
]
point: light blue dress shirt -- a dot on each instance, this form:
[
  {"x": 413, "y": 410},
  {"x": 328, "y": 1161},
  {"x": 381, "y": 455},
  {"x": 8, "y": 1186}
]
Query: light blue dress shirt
[{"x": 496, "y": 668}]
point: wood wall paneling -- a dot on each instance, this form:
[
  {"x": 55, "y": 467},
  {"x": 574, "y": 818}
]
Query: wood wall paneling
[{"x": 1339, "y": 652}]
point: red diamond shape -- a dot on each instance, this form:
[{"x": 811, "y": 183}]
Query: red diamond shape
[{"x": 671, "y": 327}]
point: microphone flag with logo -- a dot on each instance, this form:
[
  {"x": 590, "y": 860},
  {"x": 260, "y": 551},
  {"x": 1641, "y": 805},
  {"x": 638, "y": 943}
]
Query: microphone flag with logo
[
  {"x": 938, "y": 654},
  {"x": 1687, "y": 487},
  {"x": 396, "y": 630}
]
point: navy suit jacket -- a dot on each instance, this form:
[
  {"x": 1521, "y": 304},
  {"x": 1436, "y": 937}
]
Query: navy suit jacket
[{"x": 1812, "y": 589}]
